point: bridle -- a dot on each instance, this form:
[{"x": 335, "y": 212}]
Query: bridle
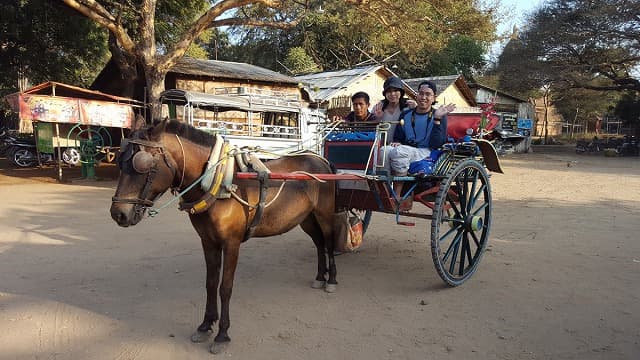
[{"x": 143, "y": 162}]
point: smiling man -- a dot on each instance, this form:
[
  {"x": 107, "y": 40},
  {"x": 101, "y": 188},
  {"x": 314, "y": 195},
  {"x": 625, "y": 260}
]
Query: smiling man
[{"x": 423, "y": 128}]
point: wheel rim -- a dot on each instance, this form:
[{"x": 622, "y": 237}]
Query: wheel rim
[
  {"x": 461, "y": 222},
  {"x": 71, "y": 156},
  {"x": 23, "y": 158}
]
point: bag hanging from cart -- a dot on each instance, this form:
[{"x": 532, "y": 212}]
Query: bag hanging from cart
[{"x": 348, "y": 232}]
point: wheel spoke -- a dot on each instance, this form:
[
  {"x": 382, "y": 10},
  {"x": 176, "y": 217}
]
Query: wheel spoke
[
  {"x": 453, "y": 206},
  {"x": 463, "y": 190},
  {"x": 454, "y": 243},
  {"x": 452, "y": 266},
  {"x": 472, "y": 194},
  {"x": 452, "y": 230},
  {"x": 475, "y": 238},
  {"x": 482, "y": 207},
  {"x": 475, "y": 194},
  {"x": 463, "y": 253},
  {"x": 468, "y": 253}
]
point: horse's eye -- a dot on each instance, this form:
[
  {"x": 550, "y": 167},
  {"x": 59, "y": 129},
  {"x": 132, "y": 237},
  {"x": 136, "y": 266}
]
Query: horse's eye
[{"x": 142, "y": 162}]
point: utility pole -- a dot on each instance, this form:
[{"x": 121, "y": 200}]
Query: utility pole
[{"x": 573, "y": 125}]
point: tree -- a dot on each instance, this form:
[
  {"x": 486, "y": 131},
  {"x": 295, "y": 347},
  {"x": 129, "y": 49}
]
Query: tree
[
  {"x": 151, "y": 35},
  {"x": 147, "y": 37},
  {"x": 41, "y": 41},
  {"x": 299, "y": 62},
  {"x": 462, "y": 55},
  {"x": 584, "y": 106},
  {"x": 583, "y": 40},
  {"x": 628, "y": 109},
  {"x": 342, "y": 34}
]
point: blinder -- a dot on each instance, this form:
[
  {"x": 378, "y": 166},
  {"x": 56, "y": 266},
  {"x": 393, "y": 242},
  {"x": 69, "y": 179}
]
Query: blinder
[{"x": 142, "y": 162}]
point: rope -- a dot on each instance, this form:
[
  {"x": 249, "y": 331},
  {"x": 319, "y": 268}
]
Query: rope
[
  {"x": 245, "y": 203},
  {"x": 184, "y": 161},
  {"x": 154, "y": 211}
]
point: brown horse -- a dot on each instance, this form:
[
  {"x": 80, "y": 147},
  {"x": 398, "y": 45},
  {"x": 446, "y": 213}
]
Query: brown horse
[{"x": 171, "y": 155}]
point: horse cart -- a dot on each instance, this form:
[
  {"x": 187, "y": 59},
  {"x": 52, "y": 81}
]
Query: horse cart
[
  {"x": 455, "y": 195},
  {"x": 227, "y": 204}
]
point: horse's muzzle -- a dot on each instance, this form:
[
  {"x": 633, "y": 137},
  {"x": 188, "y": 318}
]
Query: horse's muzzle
[{"x": 126, "y": 214}]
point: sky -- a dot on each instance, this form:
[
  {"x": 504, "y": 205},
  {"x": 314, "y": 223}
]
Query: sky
[{"x": 516, "y": 11}]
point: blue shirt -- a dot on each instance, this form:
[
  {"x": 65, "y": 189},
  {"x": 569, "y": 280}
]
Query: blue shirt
[{"x": 414, "y": 130}]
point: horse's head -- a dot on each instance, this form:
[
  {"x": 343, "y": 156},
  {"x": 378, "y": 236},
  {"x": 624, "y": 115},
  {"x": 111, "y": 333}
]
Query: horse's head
[{"x": 146, "y": 172}]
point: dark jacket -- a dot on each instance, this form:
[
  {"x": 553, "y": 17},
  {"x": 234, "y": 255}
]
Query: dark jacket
[
  {"x": 351, "y": 117},
  {"x": 414, "y": 130}
]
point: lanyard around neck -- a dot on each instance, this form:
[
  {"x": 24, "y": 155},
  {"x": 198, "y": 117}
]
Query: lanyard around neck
[{"x": 429, "y": 125}]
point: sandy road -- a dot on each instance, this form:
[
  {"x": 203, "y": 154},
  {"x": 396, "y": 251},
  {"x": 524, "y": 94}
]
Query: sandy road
[{"x": 560, "y": 280}]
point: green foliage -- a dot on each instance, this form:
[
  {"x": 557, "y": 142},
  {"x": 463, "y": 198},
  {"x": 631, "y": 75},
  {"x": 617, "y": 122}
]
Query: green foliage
[
  {"x": 577, "y": 41},
  {"x": 174, "y": 17},
  {"x": 584, "y": 105},
  {"x": 462, "y": 55},
  {"x": 42, "y": 40},
  {"x": 299, "y": 62},
  {"x": 628, "y": 109},
  {"x": 348, "y": 33}
]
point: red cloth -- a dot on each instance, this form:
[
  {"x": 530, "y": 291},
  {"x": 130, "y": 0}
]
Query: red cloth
[{"x": 459, "y": 123}]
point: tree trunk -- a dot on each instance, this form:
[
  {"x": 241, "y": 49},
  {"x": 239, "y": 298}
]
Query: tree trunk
[
  {"x": 155, "y": 87},
  {"x": 546, "y": 115}
]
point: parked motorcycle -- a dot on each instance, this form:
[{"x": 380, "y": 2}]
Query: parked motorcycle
[
  {"x": 22, "y": 151},
  {"x": 593, "y": 146},
  {"x": 504, "y": 141},
  {"x": 629, "y": 146}
]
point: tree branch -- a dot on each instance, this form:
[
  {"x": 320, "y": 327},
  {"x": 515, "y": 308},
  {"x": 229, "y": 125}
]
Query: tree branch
[
  {"x": 203, "y": 23},
  {"x": 254, "y": 23},
  {"x": 100, "y": 15}
]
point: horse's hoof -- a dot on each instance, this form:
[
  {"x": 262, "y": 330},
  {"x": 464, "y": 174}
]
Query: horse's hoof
[
  {"x": 200, "y": 336},
  {"x": 317, "y": 284},
  {"x": 330, "y": 288},
  {"x": 218, "y": 347}
]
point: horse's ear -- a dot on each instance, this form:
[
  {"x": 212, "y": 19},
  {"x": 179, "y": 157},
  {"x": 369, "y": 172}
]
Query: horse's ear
[
  {"x": 138, "y": 122},
  {"x": 158, "y": 129}
]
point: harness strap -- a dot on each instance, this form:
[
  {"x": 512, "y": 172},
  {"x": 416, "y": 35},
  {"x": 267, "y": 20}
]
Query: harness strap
[
  {"x": 223, "y": 168},
  {"x": 262, "y": 177}
]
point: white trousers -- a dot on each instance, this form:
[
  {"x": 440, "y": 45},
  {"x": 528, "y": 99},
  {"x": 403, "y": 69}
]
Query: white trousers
[{"x": 399, "y": 157}]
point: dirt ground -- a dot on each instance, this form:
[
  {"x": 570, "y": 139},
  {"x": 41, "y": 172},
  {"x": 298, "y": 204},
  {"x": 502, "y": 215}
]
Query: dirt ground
[{"x": 560, "y": 279}]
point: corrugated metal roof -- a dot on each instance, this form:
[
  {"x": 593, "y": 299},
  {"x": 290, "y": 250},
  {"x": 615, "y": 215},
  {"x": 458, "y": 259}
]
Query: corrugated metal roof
[
  {"x": 501, "y": 93},
  {"x": 226, "y": 102},
  {"x": 442, "y": 82},
  {"x": 54, "y": 88},
  {"x": 229, "y": 70},
  {"x": 322, "y": 86}
]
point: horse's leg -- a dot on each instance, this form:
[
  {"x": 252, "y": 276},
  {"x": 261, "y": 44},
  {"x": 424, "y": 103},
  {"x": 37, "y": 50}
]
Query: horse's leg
[
  {"x": 213, "y": 260},
  {"x": 231, "y": 252},
  {"x": 327, "y": 227},
  {"x": 311, "y": 227}
]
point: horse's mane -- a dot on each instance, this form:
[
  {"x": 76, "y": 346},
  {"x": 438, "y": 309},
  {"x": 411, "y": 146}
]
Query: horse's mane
[{"x": 189, "y": 132}]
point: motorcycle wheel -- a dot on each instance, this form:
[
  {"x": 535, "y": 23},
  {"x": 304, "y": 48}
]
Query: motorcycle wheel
[
  {"x": 23, "y": 158},
  {"x": 71, "y": 156}
]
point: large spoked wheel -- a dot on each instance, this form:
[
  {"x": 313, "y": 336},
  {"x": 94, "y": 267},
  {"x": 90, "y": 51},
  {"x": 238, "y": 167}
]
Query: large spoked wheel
[{"x": 461, "y": 221}]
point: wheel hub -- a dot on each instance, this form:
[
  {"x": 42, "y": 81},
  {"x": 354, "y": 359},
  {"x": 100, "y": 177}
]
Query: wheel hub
[{"x": 473, "y": 223}]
